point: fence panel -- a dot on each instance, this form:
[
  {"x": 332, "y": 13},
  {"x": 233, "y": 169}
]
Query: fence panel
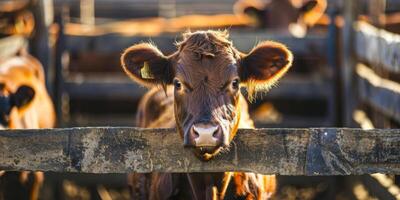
[{"x": 316, "y": 151}]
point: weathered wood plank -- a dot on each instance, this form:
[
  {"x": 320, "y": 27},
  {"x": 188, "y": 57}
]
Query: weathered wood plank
[
  {"x": 119, "y": 86},
  {"x": 323, "y": 151},
  {"x": 378, "y": 47},
  {"x": 380, "y": 93},
  {"x": 106, "y": 87},
  {"x": 12, "y": 6},
  {"x": 242, "y": 40},
  {"x": 392, "y": 6}
]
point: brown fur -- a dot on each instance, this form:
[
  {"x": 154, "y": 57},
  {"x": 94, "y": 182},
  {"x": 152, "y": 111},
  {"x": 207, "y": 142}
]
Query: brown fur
[{"x": 205, "y": 64}]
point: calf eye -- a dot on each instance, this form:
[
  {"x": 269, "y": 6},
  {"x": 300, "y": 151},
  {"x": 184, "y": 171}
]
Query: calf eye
[
  {"x": 235, "y": 84},
  {"x": 177, "y": 84}
]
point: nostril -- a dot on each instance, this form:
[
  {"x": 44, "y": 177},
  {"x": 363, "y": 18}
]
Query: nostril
[
  {"x": 194, "y": 132},
  {"x": 215, "y": 134}
]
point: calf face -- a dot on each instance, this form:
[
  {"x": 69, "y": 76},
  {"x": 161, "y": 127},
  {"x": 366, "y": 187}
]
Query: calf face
[
  {"x": 293, "y": 15},
  {"x": 206, "y": 73},
  {"x": 9, "y": 100}
]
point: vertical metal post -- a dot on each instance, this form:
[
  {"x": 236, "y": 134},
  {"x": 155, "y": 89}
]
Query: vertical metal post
[
  {"x": 348, "y": 63},
  {"x": 332, "y": 40},
  {"x": 59, "y": 65},
  {"x": 39, "y": 44}
]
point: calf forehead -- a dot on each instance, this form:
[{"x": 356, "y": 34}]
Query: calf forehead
[{"x": 215, "y": 69}]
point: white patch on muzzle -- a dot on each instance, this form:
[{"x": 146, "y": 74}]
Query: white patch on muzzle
[{"x": 206, "y": 137}]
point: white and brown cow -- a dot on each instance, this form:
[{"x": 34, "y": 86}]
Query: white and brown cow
[
  {"x": 24, "y": 102},
  {"x": 199, "y": 85}
]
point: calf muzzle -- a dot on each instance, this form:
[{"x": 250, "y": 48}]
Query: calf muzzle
[{"x": 204, "y": 135}]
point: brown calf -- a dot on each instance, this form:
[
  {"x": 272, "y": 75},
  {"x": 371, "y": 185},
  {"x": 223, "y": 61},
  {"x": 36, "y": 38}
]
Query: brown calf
[
  {"x": 292, "y": 15},
  {"x": 24, "y": 102},
  {"x": 202, "y": 82}
]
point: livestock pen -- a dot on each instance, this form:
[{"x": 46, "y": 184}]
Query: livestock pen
[{"x": 345, "y": 73}]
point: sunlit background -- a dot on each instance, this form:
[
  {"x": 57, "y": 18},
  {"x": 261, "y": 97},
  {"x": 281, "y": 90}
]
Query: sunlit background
[{"x": 346, "y": 72}]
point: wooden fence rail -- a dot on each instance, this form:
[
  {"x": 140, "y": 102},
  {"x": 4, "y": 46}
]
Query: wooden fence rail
[
  {"x": 378, "y": 47},
  {"x": 316, "y": 151},
  {"x": 380, "y": 93}
]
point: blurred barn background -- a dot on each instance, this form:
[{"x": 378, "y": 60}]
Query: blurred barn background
[{"x": 79, "y": 43}]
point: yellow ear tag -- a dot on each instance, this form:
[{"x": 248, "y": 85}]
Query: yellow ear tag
[{"x": 145, "y": 71}]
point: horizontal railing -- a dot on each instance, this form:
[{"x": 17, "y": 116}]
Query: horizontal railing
[{"x": 316, "y": 151}]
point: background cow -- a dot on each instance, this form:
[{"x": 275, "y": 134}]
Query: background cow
[
  {"x": 292, "y": 15},
  {"x": 202, "y": 83},
  {"x": 24, "y": 104}
]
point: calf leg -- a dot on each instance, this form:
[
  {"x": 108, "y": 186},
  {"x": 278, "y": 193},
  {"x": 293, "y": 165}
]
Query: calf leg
[
  {"x": 269, "y": 182},
  {"x": 38, "y": 178},
  {"x": 37, "y": 184},
  {"x": 254, "y": 186},
  {"x": 12, "y": 188},
  {"x": 164, "y": 186},
  {"x": 139, "y": 186},
  {"x": 23, "y": 177}
]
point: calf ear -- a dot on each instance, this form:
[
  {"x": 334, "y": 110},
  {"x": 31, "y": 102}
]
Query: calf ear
[
  {"x": 23, "y": 96},
  {"x": 264, "y": 65},
  {"x": 145, "y": 64}
]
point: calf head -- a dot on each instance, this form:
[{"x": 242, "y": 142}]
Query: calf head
[
  {"x": 294, "y": 15},
  {"x": 207, "y": 72},
  {"x": 10, "y": 100}
]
